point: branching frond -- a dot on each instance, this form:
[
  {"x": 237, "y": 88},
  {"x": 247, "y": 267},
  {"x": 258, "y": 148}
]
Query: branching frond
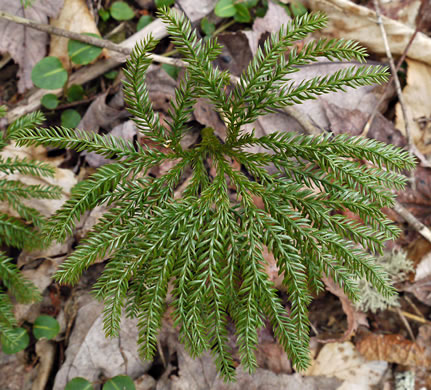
[{"x": 200, "y": 244}]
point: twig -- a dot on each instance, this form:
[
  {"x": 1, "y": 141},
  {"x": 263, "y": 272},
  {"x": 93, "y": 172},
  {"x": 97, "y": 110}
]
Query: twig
[
  {"x": 406, "y": 323},
  {"x": 394, "y": 74},
  {"x": 370, "y": 120},
  {"x": 413, "y": 221},
  {"x": 99, "y": 42},
  {"x": 412, "y": 316}
]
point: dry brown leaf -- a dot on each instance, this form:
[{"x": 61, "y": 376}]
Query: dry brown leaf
[
  {"x": 405, "y": 11},
  {"x": 421, "y": 289},
  {"x": 351, "y": 21},
  {"x": 343, "y": 361},
  {"x": 201, "y": 374},
  {"x": 394, "y": 348},
  {"x": 102, "y": 115},
  {"x": 75, "y": 17},
  {"x": 274, "y": 18},
  {"x": 25, "y": 45},
  {"x": 354, "y": 317},
  {"x": 14, "y": 372},
  {"x": 417, "y": 95},
  {"x": 205, "y": 114},
  {"x": 126, "y": 130},
  {"x": 349, "y": 121},
  {"x": 236, "y": 54},
  {"x": 90, "y": 354}
]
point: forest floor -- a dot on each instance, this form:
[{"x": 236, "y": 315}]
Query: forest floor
[{"x": 351, "y": 348}]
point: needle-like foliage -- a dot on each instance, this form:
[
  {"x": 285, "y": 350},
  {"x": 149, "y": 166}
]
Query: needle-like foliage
[
  {"x": 23, "y": 230},
  {"x": 207, "y": 246}
]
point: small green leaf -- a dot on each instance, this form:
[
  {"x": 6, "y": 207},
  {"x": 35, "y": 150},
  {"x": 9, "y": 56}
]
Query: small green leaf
[
  {"x": 49, "y": 73},
  {"x": 49, "y": 101},
  {"x": 45, "y": 326},
  {"x": 81, "y": 53},
  {"x": 111, "y": 75},
  {"x": 207, "y": 27},
  {"x": 22, "y": 340},
  {"x": 250, "y": 3},
  {"x": 171, "y": 70},
  {"x": 225, "y": 9},
  {"x": 104, "y": 14},
  {"x": 79, "y": 383},
  {"x": 122, "y": 382},
  {"x": 261, "y": 11},
  {"x": 144, "y": 21},
  {"x": 297, "y": 8},
  {"x": 164, "y": 3},
  {"x": 75, "y": 93},
  {"x": 242, "y": 13},
  {"x": 70, "y": 118},
  {"x": 121, "y": 11}
]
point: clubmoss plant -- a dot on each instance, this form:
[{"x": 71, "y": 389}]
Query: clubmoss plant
[
  {"x": 23, "y": 231},
  {"x": 208, "y": 244}
]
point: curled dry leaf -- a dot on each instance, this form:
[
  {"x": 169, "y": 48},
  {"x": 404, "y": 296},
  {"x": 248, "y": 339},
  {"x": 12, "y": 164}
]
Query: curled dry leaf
[
  {"x": 75, "y": 17},
  {"x": 394, "y": 348},
  {"x": 343, "y": 361},
  {"x": 354, "y": 317},
  {"x": 26, "y": 46}
]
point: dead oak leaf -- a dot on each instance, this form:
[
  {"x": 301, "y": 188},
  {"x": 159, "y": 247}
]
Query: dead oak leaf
[
  {"x": 25, "y": 45},
  {"x": 394, "y": 348}
]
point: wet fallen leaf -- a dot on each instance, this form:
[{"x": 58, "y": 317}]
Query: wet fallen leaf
[
  {"x": 394, "y": 348},
  {"x": 343, "y": 361},
  {"x": 26, "y": 46},
  {"x": 75, "y": 17}
]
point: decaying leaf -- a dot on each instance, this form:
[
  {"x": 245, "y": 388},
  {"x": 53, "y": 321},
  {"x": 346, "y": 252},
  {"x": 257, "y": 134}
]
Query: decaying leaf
[
  {"x": 343, "y": 361},
  {"x": 394, "y": 348},
  {"x": 75, "y": 17},
  {"x": 26, "y": 46}
]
